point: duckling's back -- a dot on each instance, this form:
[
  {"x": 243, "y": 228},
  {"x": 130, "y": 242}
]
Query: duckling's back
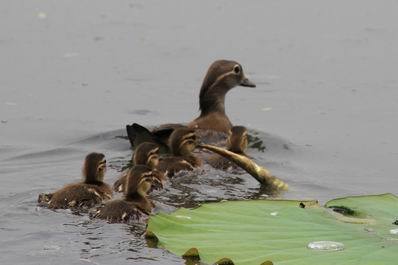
[
  {"x": 80, "y": 195},
  {"x": 120, "y": 211}
]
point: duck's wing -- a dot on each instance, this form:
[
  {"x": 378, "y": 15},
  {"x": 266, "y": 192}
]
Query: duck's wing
[{"x": 139, "y": 134}]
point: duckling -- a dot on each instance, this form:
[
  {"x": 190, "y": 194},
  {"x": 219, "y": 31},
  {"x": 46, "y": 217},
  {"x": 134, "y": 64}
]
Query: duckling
[
  {"x": 145, "y": 154},
  {"x": 237, "y": 142},
  {"x": 182, "y": 143},
  {"x": 222, "y": 76},
  {"x": 92, "y": 190},
  {"x": 134, "y": 206}
]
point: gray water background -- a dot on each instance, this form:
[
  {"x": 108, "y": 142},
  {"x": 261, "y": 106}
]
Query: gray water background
[{"x": 74, "y": 73}]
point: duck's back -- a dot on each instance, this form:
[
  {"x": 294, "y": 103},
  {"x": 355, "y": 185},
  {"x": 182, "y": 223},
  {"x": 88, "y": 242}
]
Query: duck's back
[
  {"x": 120, "y": 211},
  {"x": 80, "y": 195},
  {"x": 174, "y": 164},
  {"x": 212, "y": 121}
]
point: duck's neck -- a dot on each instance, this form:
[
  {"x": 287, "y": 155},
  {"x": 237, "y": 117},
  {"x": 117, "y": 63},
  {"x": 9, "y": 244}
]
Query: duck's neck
[
  {"x": 213, "y": 99},
  {"x": 93, "y": 181}
]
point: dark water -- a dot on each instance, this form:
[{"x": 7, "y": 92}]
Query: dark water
[{"x": 75, "y": 72}]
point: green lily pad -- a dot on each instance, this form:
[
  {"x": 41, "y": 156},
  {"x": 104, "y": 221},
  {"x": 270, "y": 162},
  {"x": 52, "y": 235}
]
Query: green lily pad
[{"x": 252, "y": 232}]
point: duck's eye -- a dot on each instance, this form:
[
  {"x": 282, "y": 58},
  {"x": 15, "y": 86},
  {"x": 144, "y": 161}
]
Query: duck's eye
[{"x": 237, "y": 69}]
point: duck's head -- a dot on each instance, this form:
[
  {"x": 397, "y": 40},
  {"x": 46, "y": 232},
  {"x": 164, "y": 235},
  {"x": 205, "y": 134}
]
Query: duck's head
[
  {"x": 140, "y": 181},
  {"x": 222, "y": 76},
  {"x": 94, "y": 168},
  {"x": 183, "y": 141},
  {"x": 237, "y": 140},
  {"x": 146, "y": 154}
]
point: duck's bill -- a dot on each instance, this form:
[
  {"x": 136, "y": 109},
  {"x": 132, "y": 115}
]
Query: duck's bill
[
  {"x": 261, "y": 174},
  {"x": 246, "y": 82}
]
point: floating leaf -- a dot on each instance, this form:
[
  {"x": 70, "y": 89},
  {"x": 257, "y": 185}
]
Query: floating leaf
[{"x": 281, "y": 231}]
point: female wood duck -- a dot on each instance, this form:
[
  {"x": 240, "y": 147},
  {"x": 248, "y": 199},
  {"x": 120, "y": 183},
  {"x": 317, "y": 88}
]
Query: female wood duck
[
  {"x": 182, "y": 143},
  {"x": 222, "y": 76},
  {"x": 91, "y": 191},
  {"x": 237, "y": 142},
  {"x": 135, "y": 205},
  {"x": 145, "y": 154}
]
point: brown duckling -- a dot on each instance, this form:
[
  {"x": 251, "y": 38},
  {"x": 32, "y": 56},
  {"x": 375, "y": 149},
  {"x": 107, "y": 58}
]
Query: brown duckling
[
  {"x": 91, "y": 191},
  {"x": 135, "y": 205},
  {"x": 145, "y": 154},
  {"x": 222, "y": 76},
  {"x": 182, "y": 143},
  {"x": 237, "y": 142}
]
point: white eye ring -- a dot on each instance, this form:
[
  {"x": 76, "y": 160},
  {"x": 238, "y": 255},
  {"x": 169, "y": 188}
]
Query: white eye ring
[{"x": 237, "y": 69}]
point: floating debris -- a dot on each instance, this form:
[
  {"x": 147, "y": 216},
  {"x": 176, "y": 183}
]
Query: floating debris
[
  {"x": 51, "y": 248},
  {"x": 266, "y": 109},
  {"x": 41, "y": 15},
  {"x": 11, "y": 103},
  {"x": 369, "y": 229},
  {"x": 326, "y": 245},
  {"x": 4, "y": 121},
  {"x": 274, "y": 213},
  {"x": 71, "y": 54}
]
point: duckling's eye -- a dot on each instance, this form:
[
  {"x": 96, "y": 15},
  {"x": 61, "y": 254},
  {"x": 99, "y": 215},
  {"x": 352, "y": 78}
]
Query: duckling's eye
[{"x": 237, "y": 69}]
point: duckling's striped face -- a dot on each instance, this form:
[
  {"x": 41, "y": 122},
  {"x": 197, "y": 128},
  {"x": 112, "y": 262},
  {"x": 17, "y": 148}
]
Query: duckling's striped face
[
  {"x": 145, "y": 184},
  {"x": 188, "y": 143},
  {"x": 153, "y": 158},
  {"x": 244, "y": 142},
  {"x": 141, "y": 180},
  {"x": 101, "y": 169},
  {"x": 146, "y": 154},
  {"x": 238, "y": 139},
  {"x": 183, "y": 141}
]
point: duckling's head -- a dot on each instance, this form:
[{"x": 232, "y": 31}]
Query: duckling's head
[
  {"x": 146, "y": 154},
  {"x": 94, "y": 168},
  {"x": 237, "y": 141},
  {"x": 183, "y": 141},
  {"x": 139, "y": 181},
  {"x": 222, "y": 76}
]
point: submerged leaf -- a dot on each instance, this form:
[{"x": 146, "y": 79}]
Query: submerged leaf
[{"x": 249, "y": 232}]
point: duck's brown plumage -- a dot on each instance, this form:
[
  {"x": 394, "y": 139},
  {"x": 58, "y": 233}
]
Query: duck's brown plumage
[
  {"x": 222, "y": 76},
  {"x": 135, "y": 206},
  {"x": 91, "y": 191}
]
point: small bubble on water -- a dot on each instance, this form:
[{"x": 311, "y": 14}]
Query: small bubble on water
[
  {"x": 326, "y": 245},
  {"x": 41, "y": 15},
  {"x": 394, "y": 231},
  {"x": 51, "y": 247}
]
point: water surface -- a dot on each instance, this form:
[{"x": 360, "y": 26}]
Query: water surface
[{"x": 75, "y": 73}]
